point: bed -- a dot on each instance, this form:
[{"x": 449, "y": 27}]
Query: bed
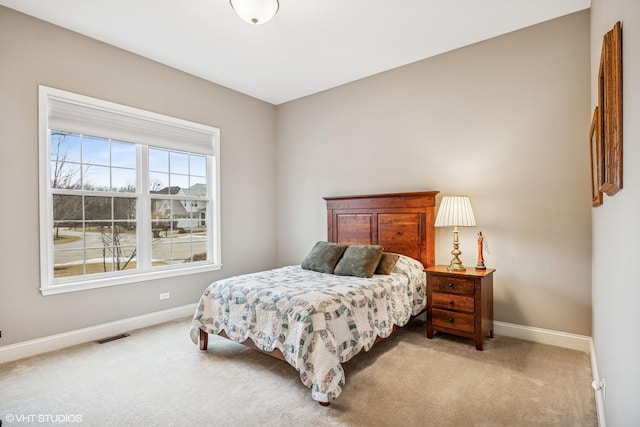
[{"x": 316, "y": 319}]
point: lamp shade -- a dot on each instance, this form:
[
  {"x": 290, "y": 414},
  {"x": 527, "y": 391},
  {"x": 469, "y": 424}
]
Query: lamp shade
[
  {"x": 455, "y": 211},
  {"x": 255, "y": 12}
]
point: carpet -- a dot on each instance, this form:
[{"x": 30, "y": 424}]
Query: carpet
[{"x": 158, "y": 377}]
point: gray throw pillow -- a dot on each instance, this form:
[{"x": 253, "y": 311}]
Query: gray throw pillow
[
  {"x": 359, "y": 260},
  {"x": 323, "y": 257},
  {"x": 387, "y": 262}
]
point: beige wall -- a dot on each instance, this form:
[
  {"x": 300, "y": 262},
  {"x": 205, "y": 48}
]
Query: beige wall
[
  {"x": 33, "y": 52},
  {"x": 505, "y": 121},
  {"x": 616, "y": 230}
]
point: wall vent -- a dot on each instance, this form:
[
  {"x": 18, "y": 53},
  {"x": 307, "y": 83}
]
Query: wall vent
[{"x": 116, "y": 337}]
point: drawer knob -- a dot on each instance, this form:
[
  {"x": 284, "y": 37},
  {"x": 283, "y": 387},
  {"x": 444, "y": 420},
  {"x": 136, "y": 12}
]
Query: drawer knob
[
  {"x": 451, "y": 302},
  {"x": 451, "y": 285},
  {"x": 451, "y": 320}
]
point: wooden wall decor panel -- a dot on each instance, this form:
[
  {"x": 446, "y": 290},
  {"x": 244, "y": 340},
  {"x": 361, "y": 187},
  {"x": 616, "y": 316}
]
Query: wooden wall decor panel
[{"x": 610, "y": 99}]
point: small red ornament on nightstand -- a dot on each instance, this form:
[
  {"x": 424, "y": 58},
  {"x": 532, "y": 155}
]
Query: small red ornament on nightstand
[{"x": 480, "y": 265}]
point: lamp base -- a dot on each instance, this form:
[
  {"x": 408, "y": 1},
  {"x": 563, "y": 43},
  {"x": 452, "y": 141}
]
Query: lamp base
[{"x": 456, "y": 265}]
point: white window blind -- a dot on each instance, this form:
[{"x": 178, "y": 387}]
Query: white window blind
[{"x": 91, "y": 116}]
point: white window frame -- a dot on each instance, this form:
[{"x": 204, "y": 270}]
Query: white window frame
[{"x": 66, "y": 111}]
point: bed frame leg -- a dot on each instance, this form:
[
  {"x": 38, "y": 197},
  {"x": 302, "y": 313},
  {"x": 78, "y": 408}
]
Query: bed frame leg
[{"x": 204, "y": 340}]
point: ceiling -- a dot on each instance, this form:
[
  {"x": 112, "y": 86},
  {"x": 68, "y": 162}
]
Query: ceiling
[{"x": 310, "y": 45}]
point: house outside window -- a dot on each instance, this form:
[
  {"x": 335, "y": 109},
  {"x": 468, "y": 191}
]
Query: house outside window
[{"x": 126, "y": 195}]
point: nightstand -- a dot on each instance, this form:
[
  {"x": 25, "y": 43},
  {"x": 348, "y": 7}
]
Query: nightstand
[{"x": 460, "y": 302}]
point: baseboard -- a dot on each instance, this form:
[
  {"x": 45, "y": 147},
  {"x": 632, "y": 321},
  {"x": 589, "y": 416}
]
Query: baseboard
[
  {"x": 543, "y": 336},
  {"x": 598, "y": 394},
  {"x": 80, "y": 336},
  {"x": 559, "y": 339}
]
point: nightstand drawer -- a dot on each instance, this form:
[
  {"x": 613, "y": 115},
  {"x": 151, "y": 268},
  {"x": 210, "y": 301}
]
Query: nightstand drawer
[
  {"x": 452, "y": 302},
  {"x": 452, "y": 320},
  {"x": 454, "y": 285}
]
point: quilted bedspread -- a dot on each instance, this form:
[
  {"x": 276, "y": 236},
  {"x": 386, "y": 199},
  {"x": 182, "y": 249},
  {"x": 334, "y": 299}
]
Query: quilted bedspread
[{"x": 318, "y": 321}]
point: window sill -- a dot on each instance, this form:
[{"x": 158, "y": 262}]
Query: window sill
[{"x": 95, "y": 283}]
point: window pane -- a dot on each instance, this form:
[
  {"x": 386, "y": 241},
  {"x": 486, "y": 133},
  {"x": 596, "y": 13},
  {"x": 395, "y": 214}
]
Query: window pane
[
  {"x": 161, "y": 254},
  {"x": 156, "y": 209},
  {"x": 123, "y": 236},
  {"x": 123, "y": 154},
  {"x": 198, "y": 165},
  {"x": 199, "y": 185},
  {"x": 116, "y": 245},
  {"x": 178, "y": 162},
  {"x": 121, "y": 251},
  {"x": 65, "y": 175},
  {"x": 181, "y": 216},
  {"x": 97, "y": 208},
  {"x": 67, "y": 207},
  {"x": 64, "y": 152},
  {"x": 199, "y": 244},
  {"x": 96, "y": 178},
  {"x": 159, "y": 183},
  {"x": 95, "y": 150},
  {"x": 125, "y": 258},
  {"x": 123, "y": 180},
  {"x": 180, "y": 252},
  {"x": 161, "y": 209},
  {"x": 98, "y": 261},
  {"x": 200, "y": 232},
  {"x": 68, "y": 263},
  {"x": 184, "y": 221},
  {"x": 124, "y": 208},
  {"x": 185, "y": 240},
  {"x": 98, "y": 235},
  {"x": 194, "y": 214},
  {"x": 158, "y": 160},
  {"x": 67, "y": 234},
  {"x": 175, "y": 253},
  {"x": 181, "y": 181},
  {"x": 65, "y": 147}
]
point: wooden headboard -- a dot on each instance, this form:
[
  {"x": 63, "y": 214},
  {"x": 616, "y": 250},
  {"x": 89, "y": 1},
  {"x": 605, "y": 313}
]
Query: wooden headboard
[{"x": 400, "y": 222}]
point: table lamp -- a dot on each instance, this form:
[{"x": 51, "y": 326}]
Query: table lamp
[{"x": 455, "y": 211}]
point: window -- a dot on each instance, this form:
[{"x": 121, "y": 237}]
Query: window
[{"x": 126, "y": 195}]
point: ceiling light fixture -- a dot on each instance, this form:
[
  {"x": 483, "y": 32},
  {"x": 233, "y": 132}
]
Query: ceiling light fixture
[{"x": 255, "y": 12}]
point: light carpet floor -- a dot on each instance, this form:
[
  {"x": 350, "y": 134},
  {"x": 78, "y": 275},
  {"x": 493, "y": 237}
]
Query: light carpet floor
[{"x": 158, "y": 377}]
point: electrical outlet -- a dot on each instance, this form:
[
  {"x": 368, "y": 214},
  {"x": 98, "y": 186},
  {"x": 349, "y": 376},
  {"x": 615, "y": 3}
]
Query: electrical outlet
[
  {"x": 165, "y": 295},
  {"x": 601, "y": 387}
]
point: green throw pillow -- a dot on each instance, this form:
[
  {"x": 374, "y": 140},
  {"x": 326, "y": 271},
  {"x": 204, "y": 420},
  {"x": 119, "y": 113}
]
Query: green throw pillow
[
  {"x": 323, "y": 257},
  {"x": 359, "y": 260},
  {"x": 387, "y": 262}
]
